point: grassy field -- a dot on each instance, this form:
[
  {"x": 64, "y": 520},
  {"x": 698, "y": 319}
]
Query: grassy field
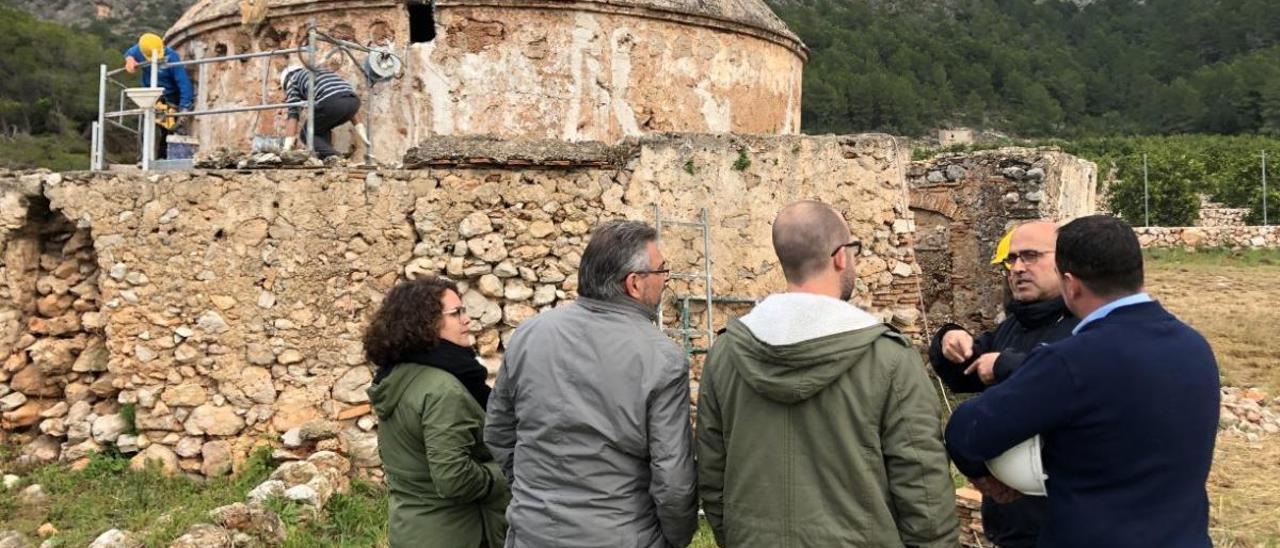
[{"x": 1233, "y": 298}]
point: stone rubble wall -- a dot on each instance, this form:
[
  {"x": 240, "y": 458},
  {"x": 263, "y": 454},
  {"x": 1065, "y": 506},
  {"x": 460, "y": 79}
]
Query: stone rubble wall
[
  {"x": 1249, "y": 413},
  {"x": 49, "y": 306},
  {"x": 965, "y": 202},
  {"x": 215, "y": 309},
  {"x": 1226, "y": 237},
  {"x": 969, "y": 510},
  {"x": 1213, "y": 214}
]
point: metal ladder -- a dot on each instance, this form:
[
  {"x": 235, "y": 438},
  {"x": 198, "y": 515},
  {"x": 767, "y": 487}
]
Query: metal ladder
[{"x": 685, "y": 332}]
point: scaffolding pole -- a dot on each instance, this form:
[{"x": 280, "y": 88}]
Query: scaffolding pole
[
  {"x": 149, "y": 129},
  {"x": 706, "y": 256},
  {"x": 311, "y": 94},
  {"x": 99, "y": 131}
]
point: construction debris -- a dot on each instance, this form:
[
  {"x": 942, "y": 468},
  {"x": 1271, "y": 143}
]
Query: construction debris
[{"x": 1249, "y": 413}]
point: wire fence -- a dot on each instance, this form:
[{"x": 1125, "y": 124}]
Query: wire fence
[{"x": 1182, "y": 191}]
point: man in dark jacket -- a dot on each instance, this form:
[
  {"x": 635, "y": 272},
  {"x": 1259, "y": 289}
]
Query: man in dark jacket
[
  {"x": 1036, "y": 315},
  {"x": 817, "y": 426},
  {"x": 1126, "y": 408},
  {"x": 589, "y": 417}
]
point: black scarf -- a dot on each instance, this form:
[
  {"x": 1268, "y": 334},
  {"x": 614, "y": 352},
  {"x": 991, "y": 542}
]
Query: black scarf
[
  {"x": 459, "y": 361},
  {"x": 1035, "y": 314}
]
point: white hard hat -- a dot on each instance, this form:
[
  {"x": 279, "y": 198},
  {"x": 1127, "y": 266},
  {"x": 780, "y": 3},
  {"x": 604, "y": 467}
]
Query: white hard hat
[
  {"x": 284, "y": 74},
  {"x": 1021, "y": 468}
]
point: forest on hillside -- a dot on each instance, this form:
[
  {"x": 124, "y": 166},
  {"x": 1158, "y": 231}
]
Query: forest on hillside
[{"x": 1040, "y": 68}]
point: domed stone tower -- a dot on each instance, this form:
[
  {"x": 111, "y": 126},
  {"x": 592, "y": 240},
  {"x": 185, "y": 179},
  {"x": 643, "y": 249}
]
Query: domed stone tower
[{"x": 561, "y": 69}]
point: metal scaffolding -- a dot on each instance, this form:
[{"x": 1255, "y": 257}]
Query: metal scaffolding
[{"x": 98, "y": 152}]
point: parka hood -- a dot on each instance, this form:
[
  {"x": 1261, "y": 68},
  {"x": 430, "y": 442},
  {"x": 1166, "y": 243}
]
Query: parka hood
[
  {"x": 386, "y": 395},
  {"x": 792, "y": 345}
]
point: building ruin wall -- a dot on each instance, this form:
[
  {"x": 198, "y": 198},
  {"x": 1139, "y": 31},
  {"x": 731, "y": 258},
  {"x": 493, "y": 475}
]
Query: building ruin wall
[
  {"x": 965, "y": 203},
  {"x": 214, "y": 311}
]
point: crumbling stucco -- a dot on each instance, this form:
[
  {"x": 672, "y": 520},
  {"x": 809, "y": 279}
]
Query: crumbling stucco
[{"x": 583, "y": 71}]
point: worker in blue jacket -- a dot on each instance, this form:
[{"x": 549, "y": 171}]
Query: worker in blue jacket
[
  {"x": 1126, "y": 408},
  {"x": 177, "y": 85}
]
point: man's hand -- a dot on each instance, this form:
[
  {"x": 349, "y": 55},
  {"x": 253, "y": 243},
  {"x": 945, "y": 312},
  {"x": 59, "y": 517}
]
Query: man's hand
[
  {"x": 995, "y": 489},
  {"x": 985, "y": 365},
  {"x": 130, "y": 65},
  {"x": 957, "y": 346}
]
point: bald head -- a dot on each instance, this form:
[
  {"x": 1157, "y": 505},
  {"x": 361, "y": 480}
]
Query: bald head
[
  {"x": 1040, "y": 233},
  {"x": 804, "y": 235}
]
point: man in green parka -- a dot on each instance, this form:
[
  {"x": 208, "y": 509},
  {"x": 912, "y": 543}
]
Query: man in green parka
[{"x": 817, "y": 425}]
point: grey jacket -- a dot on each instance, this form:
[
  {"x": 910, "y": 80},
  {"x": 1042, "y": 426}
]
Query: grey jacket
[{"x": 589, "y": 420}]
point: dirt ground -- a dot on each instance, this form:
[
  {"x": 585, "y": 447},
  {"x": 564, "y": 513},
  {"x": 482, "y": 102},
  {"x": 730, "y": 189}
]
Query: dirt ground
[{"x": 1236, "y": 305}]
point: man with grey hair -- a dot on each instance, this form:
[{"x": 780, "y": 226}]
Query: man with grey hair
[
  {"x": 817, "y": 425},
  {"x": 589, "y": 417}
]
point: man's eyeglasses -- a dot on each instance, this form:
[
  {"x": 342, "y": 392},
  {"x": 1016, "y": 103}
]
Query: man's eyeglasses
[
  {"x": 459, "y": 312},
  {"x": 665, "y": 272},
  {"x": 856, "y": 245},
  {"x": 1029, "y": 257}
]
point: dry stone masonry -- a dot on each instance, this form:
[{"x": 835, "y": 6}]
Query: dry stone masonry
[
  {"x": 184, "y": 317},
  {"x": 1220, "y": 237},
  {"x": 1213, "y": 214}
]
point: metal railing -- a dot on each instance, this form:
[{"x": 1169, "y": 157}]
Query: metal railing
[{"x": 146, "y": 127}]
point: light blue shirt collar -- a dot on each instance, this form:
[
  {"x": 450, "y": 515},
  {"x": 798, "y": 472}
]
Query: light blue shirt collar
[{"x": 1104, "y": 310}]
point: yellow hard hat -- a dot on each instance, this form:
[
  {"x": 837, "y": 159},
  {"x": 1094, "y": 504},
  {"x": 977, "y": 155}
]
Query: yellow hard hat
[
  {"x": 149, "y": 44},
  {"x": 1002, "y": 249}
]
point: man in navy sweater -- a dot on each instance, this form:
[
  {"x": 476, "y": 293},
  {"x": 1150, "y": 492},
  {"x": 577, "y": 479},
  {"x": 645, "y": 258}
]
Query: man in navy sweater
[{"x": 1127, "y": 408}]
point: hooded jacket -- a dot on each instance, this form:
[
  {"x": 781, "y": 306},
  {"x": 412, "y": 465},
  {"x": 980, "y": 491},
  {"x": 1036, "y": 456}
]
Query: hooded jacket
[
  {"x": 817, "y": 426},
  {"x": 445, "y": 488}
]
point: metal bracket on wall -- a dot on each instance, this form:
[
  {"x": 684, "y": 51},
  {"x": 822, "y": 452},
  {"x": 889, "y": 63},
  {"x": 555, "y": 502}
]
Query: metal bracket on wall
[{"x": 685, "y": 331}]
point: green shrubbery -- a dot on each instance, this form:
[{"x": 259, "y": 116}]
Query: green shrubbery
[{"x": 1226, "y": 168}]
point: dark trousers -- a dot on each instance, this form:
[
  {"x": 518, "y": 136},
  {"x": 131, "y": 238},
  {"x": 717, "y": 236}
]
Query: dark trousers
[
  {"x": 331, "y": 113},
  {"x": 162, "y": 149},
  {"x": 1016, "y": 524}
]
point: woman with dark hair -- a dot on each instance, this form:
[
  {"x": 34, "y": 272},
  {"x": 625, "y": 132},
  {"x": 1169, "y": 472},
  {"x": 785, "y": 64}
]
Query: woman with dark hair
[{"x": 430, "y": 394}]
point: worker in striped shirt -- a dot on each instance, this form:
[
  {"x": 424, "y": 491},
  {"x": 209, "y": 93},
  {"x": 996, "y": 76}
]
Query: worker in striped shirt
[{"x": 336, "y": 104}]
